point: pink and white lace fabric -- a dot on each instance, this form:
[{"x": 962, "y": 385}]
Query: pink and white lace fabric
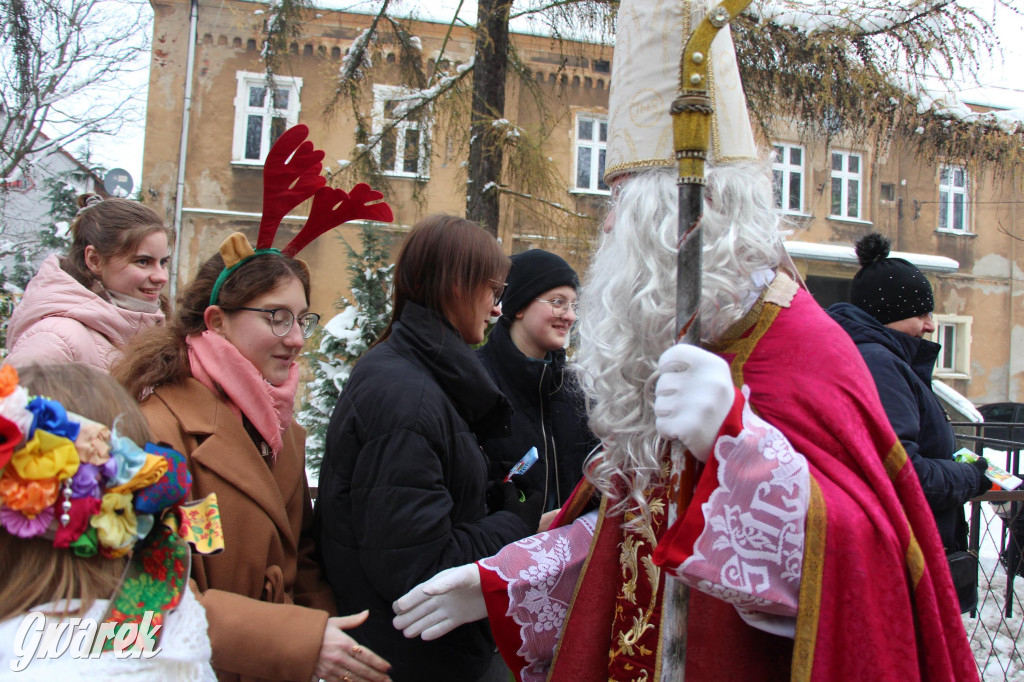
[
  {"x": 750, "y": 551},
  {"x": 538, "y": 575}
]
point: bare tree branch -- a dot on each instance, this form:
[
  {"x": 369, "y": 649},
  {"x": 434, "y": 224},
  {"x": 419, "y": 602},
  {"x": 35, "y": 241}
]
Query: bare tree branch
[{"x": 62, "y": 63}]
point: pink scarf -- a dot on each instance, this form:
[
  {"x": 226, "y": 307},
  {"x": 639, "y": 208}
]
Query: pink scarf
[{"x": 216, "y": 363}]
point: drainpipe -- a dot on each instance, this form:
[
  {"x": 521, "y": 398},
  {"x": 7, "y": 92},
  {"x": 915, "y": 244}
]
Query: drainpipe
[
  {"x": 183, "y": 148},
  {"x": 1011, "y": 393}
]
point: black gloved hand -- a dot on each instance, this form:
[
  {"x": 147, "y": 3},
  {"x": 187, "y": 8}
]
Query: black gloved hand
[
  {"x": 984, "y": 485},
  {"x": 528, "y": 505}
]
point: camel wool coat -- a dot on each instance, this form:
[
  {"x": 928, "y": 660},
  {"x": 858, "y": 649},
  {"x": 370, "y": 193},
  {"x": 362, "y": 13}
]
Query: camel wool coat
[{"x": 265, "y": 600}]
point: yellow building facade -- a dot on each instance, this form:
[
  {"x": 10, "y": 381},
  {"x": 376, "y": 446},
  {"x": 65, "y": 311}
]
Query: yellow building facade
[{"x": 962, "y": 226}]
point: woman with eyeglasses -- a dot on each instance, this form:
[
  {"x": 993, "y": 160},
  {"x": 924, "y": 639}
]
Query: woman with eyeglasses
[
  {"x": 525, "y": 355},
  {"x": 403, "y": 480},
  {"x": 219, "y": 384}
]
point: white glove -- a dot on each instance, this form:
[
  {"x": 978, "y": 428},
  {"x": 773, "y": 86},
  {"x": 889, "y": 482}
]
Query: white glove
[
  {"x": 436, "y": 607},
  {"x": 693, "y": 397}
]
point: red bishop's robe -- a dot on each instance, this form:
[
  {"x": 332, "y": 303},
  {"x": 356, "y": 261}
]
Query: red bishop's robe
[{"x": 875, "y": 597}]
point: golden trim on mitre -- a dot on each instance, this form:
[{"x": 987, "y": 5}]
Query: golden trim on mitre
[{"x": 645, "y": 81}]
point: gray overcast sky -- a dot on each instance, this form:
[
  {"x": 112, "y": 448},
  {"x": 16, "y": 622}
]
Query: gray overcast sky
[{"x": 1003, "y": 84}]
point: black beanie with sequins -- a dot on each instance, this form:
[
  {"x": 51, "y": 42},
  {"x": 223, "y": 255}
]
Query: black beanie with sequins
[{"x": 889, "y": 289}]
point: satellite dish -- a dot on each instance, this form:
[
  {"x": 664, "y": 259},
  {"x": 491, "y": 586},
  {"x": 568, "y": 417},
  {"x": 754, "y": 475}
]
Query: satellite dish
[{"x": 118, "y": 183}]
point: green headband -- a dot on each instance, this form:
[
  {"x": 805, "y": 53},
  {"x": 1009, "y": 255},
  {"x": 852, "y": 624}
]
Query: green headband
[{"x": 226, "y": 272}]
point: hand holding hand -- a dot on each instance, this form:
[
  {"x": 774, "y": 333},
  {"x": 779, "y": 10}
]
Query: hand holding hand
[
  {"x": 693, "y": 397},
  {"x": 342, "y": 658},
  {"x": 436, "y": 607}
]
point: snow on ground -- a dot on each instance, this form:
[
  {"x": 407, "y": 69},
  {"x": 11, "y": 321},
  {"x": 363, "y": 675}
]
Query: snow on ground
[{"x": 994, "y": 636}]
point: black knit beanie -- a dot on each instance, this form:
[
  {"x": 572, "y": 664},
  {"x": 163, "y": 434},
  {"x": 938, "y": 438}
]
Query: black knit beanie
[
  {"x": 534, "y": 272},
  {"x": 889, "y": 289}
]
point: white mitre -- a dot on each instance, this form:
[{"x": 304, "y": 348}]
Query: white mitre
[{"x": 649, "y": 43}]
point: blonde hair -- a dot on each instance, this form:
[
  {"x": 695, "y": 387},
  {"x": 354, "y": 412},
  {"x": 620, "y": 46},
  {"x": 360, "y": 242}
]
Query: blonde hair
[{"x": 34, "y": 571}]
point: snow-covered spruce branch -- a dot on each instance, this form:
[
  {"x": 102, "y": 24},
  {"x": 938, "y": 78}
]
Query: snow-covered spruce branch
[
  {"x": 865, "y": 20},
  {"x": 357, "y": 57},
  {"x": 414, "y": 102}
]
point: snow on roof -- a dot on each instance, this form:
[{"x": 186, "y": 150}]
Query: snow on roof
[{"x": 845, "y": 254}]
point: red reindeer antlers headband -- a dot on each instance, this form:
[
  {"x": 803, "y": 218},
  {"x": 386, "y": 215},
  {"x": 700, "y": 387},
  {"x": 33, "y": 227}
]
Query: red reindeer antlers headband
[{"x": 291, "y": 174}]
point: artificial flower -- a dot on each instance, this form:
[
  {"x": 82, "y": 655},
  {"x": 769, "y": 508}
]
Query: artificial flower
[
  {"x": 93, "y": 442},
  {"x": 23, "y": 526},
  {"x": 46, "y": 456},
  {"x": 153, "y": 468},
  {"x": 172, "y": 488},
  {"x": 89, "y": 479},
  {"x": 115, "y": 524},
  {"x": 27, "y": 496},
  {"x": 8, "y": 380},
  {"x": 15, "y": 408},
  {"x": 51, "y": 416},
  {"x": 129, "y": 457},
  {"x": 85, "y": 545},
  {"x": 10, "y": 436},
  {"x": 81, "y": 511}
]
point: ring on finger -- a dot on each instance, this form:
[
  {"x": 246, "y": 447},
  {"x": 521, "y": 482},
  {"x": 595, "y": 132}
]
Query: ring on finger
[
  {"x": 356, "y": 649},
  {"x": 344, "y": 677}
]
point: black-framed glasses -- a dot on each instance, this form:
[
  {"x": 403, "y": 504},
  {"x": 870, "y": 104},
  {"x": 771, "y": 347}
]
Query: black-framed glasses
[
  {"x": 559, "y": 305},
  {"x": 281, "y": 320},
  {"x": 498, "y": 290}
]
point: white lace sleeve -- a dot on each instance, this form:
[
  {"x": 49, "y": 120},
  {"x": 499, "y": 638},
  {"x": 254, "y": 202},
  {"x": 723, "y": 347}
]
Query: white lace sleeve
[{"x": 750, "y": 551}]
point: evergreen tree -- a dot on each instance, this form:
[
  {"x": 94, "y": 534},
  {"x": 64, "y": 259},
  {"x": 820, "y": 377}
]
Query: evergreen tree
[{"x": 347, "y": 336}]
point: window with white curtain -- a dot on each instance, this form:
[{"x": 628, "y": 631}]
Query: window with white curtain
[
  {"x": 591, "y": 143},
  {"x": 788, "y": 177},
  {"x": 262, "y": 113},
  {"x": 847, "y": 181}
]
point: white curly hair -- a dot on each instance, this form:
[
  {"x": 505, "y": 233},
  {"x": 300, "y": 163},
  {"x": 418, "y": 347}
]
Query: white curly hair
[{"x": 628, "y": 307}]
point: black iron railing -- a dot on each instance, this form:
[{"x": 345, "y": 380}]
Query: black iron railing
[{"x": 997, "y": 536}]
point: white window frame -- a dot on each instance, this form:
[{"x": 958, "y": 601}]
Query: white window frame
[
  {"x": 948, "y": 194},
  {"x": 845, "y": 177},
  {"x": 243, "y": 110},
  {"x": 598, "y": 149},
  {"x": 955, "y": 362},
  {"x": 382, "y": 94},
  {"x": 785, "y": 170}
]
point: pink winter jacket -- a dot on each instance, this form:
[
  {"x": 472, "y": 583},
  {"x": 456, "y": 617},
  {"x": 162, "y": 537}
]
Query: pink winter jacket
[{"x": 59, "y": 320}]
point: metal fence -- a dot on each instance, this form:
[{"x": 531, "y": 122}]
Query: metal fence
[{"x": 997, "y": 535}]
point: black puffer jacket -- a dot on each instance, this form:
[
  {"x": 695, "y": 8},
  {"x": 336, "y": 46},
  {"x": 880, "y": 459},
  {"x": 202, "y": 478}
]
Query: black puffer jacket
[
  {"x": 402, "y": 489},
  {"x": 902, "y": 368},
  {"x": 548, "y": 413}
]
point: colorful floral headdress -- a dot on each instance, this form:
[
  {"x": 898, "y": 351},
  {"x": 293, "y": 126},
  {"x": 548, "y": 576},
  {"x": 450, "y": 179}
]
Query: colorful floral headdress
[
  {"x": 291, "y": 174},
  {"x": 71, "y": 480}
]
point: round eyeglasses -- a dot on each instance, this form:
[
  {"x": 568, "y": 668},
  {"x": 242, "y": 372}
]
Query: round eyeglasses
[
  {"x": 498, "y": 290},
  {"x": 281, "y": 320},
  {"x": 559, "y": 305}
]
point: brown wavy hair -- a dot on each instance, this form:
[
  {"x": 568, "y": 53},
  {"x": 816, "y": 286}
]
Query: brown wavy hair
[
  {"x": 159, "y": 355},
  {"x": 442, "y": 256},
  {"x": 115, "y": 228},
  {"x": 34, "y": 571}
]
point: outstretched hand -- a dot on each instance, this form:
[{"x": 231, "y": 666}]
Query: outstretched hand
[
  {"x": 342, "y": 658},
  {"x": 436, "y": 607},
  {"x": 693, "y": 397}
]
